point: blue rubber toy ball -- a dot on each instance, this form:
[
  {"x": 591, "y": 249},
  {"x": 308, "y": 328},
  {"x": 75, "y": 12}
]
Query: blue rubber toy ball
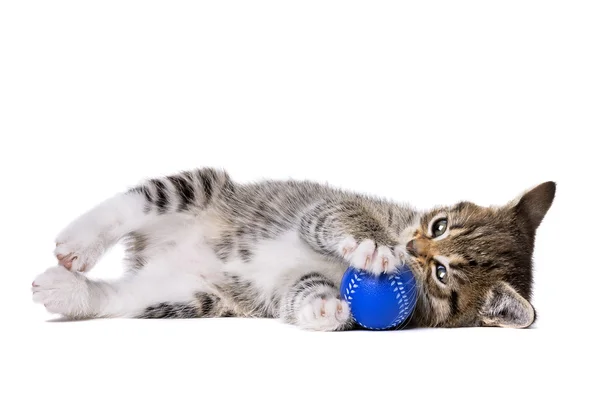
[{"x": 379, "y": 302}]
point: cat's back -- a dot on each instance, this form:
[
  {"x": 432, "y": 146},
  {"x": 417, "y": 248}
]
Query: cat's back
[{"x": 277, "y": 198}]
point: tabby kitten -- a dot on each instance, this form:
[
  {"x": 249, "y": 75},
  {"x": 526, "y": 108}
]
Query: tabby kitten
[{"x": 200, "y": 245}]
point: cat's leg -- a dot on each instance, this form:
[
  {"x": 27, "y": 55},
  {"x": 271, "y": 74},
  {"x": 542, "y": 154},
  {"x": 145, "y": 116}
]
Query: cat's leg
[
  {"x": 140, "y": 295},
  {"x": 81, "y": 244},
  {"x": 313, "y": 302},
  {"x": 354, "y": 232}
]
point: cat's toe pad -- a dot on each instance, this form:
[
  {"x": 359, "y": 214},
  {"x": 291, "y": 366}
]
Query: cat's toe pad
[{"x": 78, "y": 251}]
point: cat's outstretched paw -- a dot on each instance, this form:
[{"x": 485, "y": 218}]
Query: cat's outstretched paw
[
  {"x": 373, "y": 257},
  {"x": 325, "y": 314},
  {"x": 62, "y": 292},
  {"x": 79, "y": 246}
]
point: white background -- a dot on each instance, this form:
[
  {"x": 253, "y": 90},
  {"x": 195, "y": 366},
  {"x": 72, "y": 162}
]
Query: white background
[{"x": 427, "y": 102}]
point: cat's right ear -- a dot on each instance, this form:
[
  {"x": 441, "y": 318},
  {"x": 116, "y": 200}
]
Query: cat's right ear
[
  {"x": 534, "y": 204},
  {"x": 506, "y": 308}
]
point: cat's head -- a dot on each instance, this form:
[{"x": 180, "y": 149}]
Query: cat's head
[{"x": 474, "y": 264}]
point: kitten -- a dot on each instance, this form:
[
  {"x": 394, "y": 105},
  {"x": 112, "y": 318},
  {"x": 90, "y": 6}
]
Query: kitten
[{"x": 200, "y": 245}]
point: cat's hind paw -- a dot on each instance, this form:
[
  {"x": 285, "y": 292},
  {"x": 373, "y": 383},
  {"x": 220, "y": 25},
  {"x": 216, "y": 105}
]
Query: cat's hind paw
[
  {"x": 79, "y": 248},
  {"x": 62, "y": 292}
]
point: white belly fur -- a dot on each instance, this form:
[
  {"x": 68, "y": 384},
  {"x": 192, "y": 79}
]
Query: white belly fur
[
  {"x": 280, "y": 261},
  {"x": 275, "y": 263}
]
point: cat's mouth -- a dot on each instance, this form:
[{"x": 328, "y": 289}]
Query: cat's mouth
[{"x": 415, "y": 266}]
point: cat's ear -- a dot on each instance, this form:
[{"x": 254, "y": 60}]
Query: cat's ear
[
  {"x": 534, "y": 204},
  {"x": 506, "y": 308}
]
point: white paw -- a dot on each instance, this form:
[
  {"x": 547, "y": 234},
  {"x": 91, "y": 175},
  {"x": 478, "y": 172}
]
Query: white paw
[
  {"x": 373, "y": 257},
  {"x": 80, "y": 245},
  {"x": 329, "y": 314},
  {"x": 62, "y": 292}
]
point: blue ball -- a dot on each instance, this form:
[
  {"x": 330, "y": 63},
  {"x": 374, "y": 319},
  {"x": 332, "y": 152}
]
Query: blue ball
[{"x": 379, "y": 302}]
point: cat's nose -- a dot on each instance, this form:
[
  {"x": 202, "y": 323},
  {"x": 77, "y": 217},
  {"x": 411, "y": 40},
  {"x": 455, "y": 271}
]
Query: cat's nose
[
  {"x": 410, "y": 247},
  {"x": 417, "y": 247}
]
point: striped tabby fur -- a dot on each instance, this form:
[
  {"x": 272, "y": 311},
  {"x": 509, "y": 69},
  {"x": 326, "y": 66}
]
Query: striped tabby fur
[{"x": 200, "y": 245}]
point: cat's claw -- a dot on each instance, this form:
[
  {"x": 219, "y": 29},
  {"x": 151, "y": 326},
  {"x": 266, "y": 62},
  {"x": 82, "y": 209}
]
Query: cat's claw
[{"x": 370, "y": 256}]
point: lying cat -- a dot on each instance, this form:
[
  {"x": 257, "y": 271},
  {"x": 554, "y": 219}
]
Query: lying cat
[{"x": 200, "y": 245}]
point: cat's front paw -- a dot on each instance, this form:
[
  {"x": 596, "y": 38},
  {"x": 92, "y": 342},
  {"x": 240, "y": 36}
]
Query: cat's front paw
[
  {"x": 80, "y": 246},
  {"x": 325, "y": 314},
  {"x": 373, "y": 257},
  {"x": 62, "y": 292}
]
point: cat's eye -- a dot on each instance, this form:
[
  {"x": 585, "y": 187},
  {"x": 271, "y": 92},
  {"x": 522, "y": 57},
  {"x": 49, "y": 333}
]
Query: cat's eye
[
  {"x": 442, "y": 273},
  {"x": 439, "y": 227}
]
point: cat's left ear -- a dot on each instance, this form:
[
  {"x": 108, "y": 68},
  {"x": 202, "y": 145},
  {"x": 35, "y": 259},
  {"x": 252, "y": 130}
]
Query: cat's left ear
[
  {"x": 506, "y": 308},
  {"x": 533, "y": 205}
]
